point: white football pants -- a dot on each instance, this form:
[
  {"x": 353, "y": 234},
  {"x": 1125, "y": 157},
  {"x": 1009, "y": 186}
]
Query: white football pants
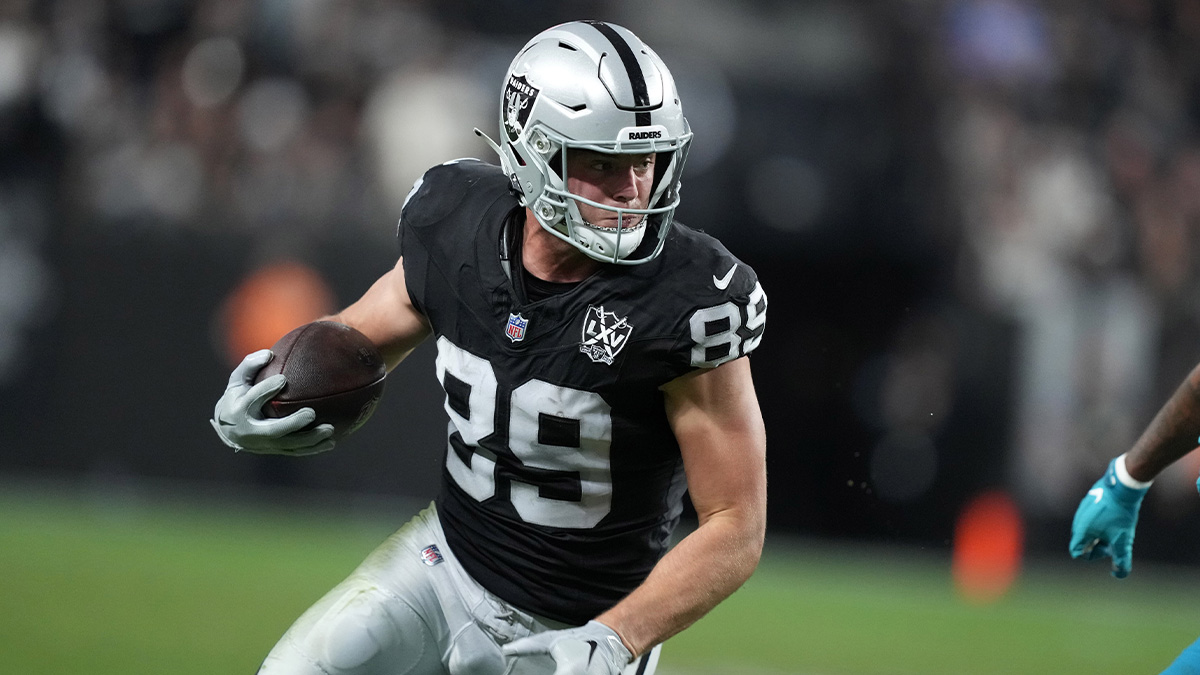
[{"x": 411, "y": 609}]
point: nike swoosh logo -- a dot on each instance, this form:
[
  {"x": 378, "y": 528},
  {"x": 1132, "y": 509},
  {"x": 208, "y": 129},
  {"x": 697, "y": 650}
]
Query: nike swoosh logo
[
  {"x": 592, "y": 651},
  {"x": 723, "y": 282},
  {"x": 1098, "y": 492}
]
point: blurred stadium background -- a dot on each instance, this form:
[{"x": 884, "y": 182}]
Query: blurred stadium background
[{"x": 976, "y": 221}]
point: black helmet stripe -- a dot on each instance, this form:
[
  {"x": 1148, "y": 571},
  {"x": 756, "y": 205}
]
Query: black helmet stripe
[{"x": 641, "y": 97}]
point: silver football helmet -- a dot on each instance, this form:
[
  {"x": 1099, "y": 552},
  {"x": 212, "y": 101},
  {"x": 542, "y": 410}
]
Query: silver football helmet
[{"x": 595, "y": 86}]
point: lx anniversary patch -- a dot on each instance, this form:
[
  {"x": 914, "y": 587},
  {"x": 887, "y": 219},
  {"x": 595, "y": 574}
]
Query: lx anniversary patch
[{"x": 604, "y": 334}]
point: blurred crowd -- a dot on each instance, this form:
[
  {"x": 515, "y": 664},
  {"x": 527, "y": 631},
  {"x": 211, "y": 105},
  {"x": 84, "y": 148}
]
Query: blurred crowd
[
  {"x": 1063, "y": 136},
  {"x": 1070, "y": 133},
  {"x": 230, "y": 115}
]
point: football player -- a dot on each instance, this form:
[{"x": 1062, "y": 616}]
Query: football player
[
  {"x": 592, "y": 353},
  {"x": 1107, "y": 516}
]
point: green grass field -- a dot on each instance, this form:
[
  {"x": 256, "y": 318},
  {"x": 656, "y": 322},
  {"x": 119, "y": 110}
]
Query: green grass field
[{"x": 206, "y": 585}]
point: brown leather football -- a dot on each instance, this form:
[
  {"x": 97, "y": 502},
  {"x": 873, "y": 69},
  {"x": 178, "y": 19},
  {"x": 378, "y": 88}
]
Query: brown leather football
[{"x": 331, "y": 368}]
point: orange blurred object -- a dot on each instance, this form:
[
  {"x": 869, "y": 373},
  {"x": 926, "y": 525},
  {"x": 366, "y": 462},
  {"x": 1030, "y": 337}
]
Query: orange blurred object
[
  {"x": 270, "y": 302},
  {"x": 989, "y": 541}
]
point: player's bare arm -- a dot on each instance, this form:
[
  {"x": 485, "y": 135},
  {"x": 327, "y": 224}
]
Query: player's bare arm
[
  {"x": 1171, "y": 434},
  {"x": 1106, "y": 519},
  {"x": 386, "y": 315},
  {"x": 716, "y": 418}
]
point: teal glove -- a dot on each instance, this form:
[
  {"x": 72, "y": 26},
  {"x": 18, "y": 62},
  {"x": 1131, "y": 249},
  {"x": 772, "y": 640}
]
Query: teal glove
[
  {"x": 1105, "y": 521},
  {"x": 591, "y": 649}
]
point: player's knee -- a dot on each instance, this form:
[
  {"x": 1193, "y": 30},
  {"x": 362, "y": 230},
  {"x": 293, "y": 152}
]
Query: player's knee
[
  {"x": 287, "y": 659},
  {"x": 362, "y": 631}
]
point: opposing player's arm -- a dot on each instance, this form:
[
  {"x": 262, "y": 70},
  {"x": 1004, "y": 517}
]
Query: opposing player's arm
[
  {"x": 1106, "y": 519},
  {"x": 716, "y": 419},
  {"x": 385, "y": 314},
  {"x": 1171, "y": 434}
]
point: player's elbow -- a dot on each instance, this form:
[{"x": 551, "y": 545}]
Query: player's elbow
[
  {"x": 744, "y": 559},
  {"x": 752, "y": 517},
  {"x": 744, "y": 533},
  {"x": 754, "y": 529},
  {"x": 756, "y": 534}
]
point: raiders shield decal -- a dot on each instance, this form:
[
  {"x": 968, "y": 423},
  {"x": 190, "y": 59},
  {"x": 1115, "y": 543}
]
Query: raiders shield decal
[
  {"x": 604, "y": 334},
  {"x": 519, "y": 96}
]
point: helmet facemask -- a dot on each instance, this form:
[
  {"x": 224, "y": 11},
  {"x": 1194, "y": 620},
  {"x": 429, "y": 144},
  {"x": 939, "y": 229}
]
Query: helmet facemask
[{"x": 557, "y": 208}]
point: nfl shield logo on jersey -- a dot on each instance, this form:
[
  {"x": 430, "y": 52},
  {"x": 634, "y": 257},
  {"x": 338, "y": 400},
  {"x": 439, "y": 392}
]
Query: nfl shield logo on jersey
[
  {"x": 516, "y": 327},
  {"x": 431, "y": 555},
  {"x": 604, "y": 334}
]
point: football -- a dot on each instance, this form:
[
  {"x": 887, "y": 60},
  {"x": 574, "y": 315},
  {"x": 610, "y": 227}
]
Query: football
[{"x": 331, "y": 368}]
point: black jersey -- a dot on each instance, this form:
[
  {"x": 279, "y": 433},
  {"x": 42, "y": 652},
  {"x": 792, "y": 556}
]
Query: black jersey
[{"x": 562, "y": 479}]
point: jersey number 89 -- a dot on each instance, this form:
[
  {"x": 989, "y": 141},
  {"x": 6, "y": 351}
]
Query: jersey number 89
[
  {"x": 558, "y": 472},
  {"x": 717, "y": 334}
]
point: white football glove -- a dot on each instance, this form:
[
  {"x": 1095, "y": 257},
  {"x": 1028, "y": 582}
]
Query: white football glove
[
  {"x": 591, "y": 649},
  {"x": 239, "y": 421}
]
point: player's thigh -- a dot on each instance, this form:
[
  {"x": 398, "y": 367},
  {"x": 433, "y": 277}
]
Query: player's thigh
[{"x": 360, "y": 629}]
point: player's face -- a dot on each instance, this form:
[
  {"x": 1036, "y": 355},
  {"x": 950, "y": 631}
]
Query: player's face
[{"x": 613, "y": 180}]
